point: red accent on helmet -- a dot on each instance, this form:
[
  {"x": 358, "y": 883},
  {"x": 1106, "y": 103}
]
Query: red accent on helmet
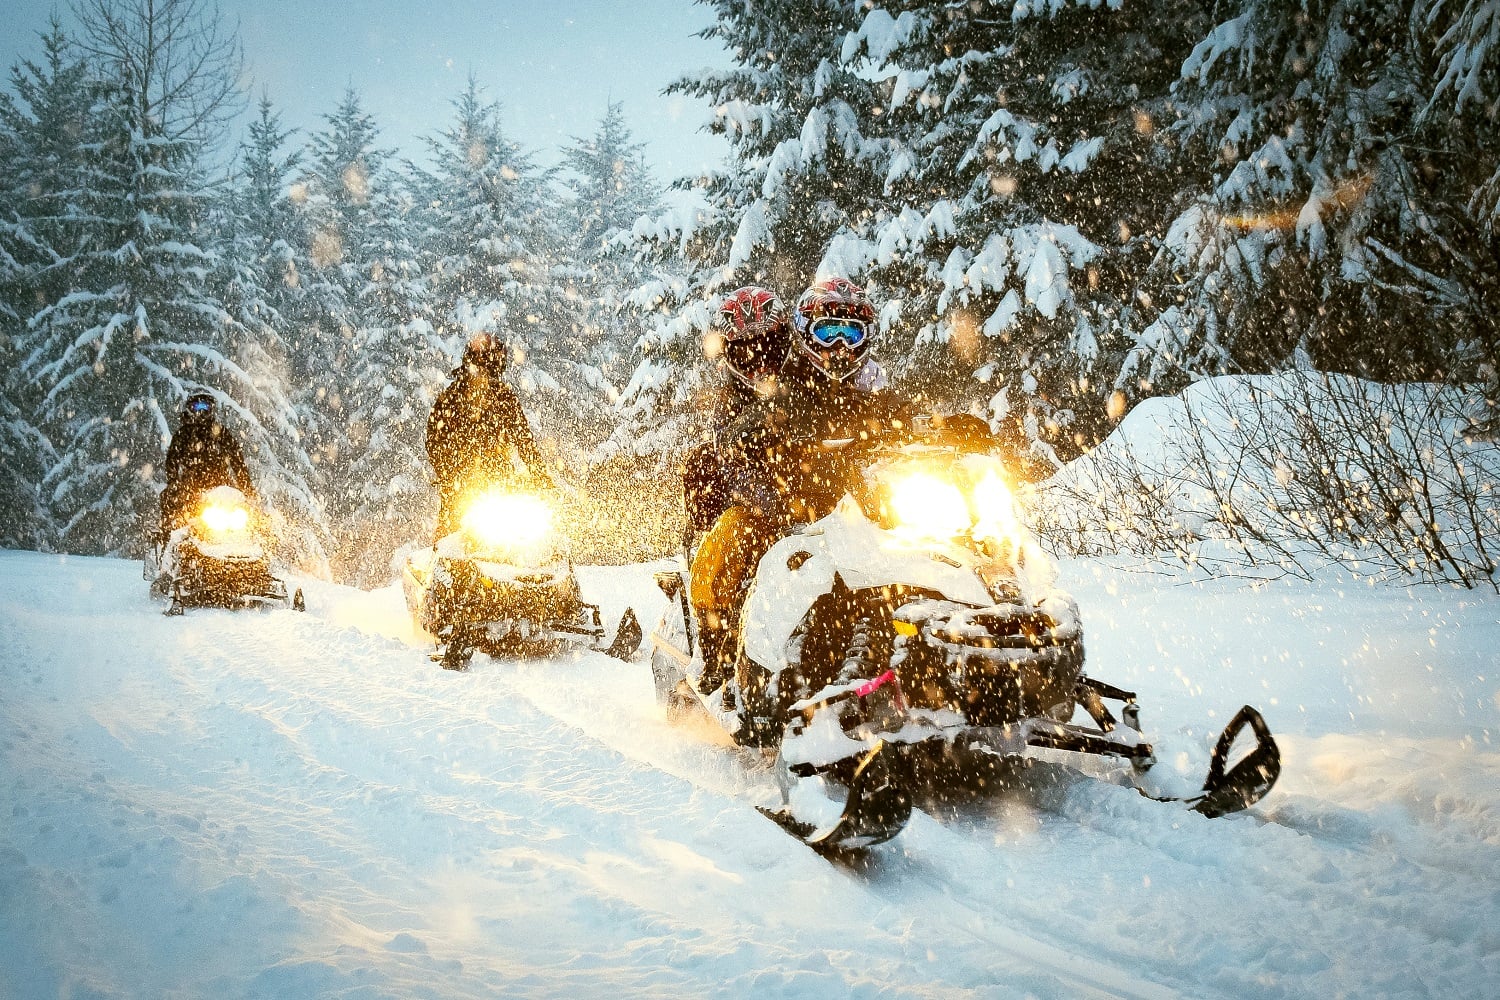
[
  {"x": 833, "y": 298},
  {"x": 750, "y": 312},
  {"x": 757, "y": 333}
]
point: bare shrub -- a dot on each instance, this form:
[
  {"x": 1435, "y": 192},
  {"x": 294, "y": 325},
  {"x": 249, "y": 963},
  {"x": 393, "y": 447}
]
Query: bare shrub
[{"x": 1286, "y": 473}]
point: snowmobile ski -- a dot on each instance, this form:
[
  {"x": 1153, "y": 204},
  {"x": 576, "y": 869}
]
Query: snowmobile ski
[
  {"x": 1241, "y": 786},
  {"x": 877, "y": 809}
]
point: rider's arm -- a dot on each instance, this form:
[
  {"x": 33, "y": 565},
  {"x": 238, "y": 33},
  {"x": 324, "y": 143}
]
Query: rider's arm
[
  {"x": 441, "y": 435},
  {"x": 513, "y": 419},
  {"x": 239, "y": 472}
]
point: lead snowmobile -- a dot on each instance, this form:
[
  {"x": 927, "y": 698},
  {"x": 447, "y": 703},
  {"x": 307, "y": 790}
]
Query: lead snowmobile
[
  {"x": 503, "y": 583},
  {"x": 916, "y": 631},
  {"x": 217, "y": 559}
]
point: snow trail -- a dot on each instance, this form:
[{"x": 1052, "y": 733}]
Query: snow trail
[{"x": 274, "y": 804}]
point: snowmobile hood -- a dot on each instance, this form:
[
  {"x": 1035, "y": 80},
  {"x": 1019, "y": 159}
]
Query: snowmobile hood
[{"x": 847, "y": 544}]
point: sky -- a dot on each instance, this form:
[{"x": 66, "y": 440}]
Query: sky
[{"x": 554, "y": 66}]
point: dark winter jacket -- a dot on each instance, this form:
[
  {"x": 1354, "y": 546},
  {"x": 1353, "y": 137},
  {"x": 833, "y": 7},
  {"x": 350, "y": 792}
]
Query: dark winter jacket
[
  {"x": 202, "y": 455},
  {"x": 474, "y": 431},
  {"x": 782, "y": 467},
  {"x": 710, "y": 468}
]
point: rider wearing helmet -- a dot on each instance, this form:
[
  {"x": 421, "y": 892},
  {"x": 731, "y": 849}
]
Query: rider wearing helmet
[
  {"x": 834, "y": 393},
  {"x": 477, "y": 430},
  {"x": 825, "y": 395},
  {"x": 754, "y": 334},
  {"x": 202, "y": 455}
]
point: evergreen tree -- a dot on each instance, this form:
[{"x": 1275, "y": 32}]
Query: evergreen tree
[
  {"x": 609, "y": 190},
  {"x": 1459, "y": 53},
  {"x": 1023, "y": 185},
  {"x": 497, "y": 267},
  {"x": 1323, "y": 234},
  {"x": 804, "y": 167},
  {"x": 42, "y": 122},
  {"x": 258, "y": 280},
  {"x": 136, "y": 329},
  {"x": 367, "y": 359}
]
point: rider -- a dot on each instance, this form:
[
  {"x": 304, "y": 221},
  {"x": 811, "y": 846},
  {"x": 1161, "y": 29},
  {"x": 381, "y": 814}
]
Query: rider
[
  {"x": 824, "y": 399},
  {"x": 755, "y": 332},
  {"x": 202, "y": 455},
  {"x": 475, "y": 426}
]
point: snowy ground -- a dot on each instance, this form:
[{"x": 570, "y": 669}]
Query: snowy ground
[{"x": 282, "y": 805}]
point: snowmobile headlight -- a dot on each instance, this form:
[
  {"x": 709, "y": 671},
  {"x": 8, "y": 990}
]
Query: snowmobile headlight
[
  {"x": 225, "y": 520},
  {"x": 498, "y": 518},
  {"x": 929, "y": 507},
  {"x": 995, "y": 516}
]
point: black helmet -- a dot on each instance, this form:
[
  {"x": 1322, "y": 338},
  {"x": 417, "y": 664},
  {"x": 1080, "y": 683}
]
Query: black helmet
[
  {"x": 198, "y": 407},
  {"x": 487, "y": 353}
]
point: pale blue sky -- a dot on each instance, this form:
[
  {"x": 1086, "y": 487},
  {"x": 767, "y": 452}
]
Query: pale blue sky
[{"x": 552, "y": 64}]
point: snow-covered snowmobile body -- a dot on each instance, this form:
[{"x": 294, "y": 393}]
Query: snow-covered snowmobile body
[
  {"x": 502, "y": 584},
  {"x": 920, "y": 624},
  {"x": 217, "y": 559}
]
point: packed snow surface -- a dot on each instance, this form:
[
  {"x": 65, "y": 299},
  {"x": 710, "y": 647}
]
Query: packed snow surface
[{"x": 273, "y": 804}]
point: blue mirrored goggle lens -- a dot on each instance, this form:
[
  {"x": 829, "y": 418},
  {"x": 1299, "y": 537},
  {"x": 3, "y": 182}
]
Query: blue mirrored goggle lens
[
  {"x": 200, "y": 406},
  {"x": 830, "y": 332}
]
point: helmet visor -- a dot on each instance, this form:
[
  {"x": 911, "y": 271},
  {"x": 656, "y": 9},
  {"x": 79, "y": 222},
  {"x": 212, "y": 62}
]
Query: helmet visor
[
  {"x": 830, "y": 332},
  {"x": 760, "y": 356}
]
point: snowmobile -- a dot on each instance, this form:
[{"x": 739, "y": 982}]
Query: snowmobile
[
  {"x": 216, "y": 559},
  {"x": 916, "y": 632},
  {"x": 503, "y": 583}
]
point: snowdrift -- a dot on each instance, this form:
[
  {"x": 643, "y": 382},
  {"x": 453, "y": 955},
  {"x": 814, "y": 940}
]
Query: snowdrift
[{"x": 1286, "y": 473}]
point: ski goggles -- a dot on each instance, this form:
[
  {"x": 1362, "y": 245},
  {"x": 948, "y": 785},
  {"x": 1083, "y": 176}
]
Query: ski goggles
[
  {"x": 831, "y": 332},
  {"x": 200, "y": 406}
]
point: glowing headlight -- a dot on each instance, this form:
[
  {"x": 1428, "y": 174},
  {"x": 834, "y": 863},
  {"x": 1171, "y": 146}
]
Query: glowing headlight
[
  {"x": 226, "y": 520},
  {"x": 928, "y": 506},
  {"x": 498, "y": 518},
  {"x": 995, "y": 510}
]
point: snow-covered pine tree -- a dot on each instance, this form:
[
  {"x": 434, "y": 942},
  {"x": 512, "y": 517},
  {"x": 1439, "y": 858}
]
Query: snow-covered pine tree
[
  {"x": 1023, "y": 182},
  {"x": 1459, "y": 52},
  {"x": 609, "y": 188},
  {"x": 257, "y": 280},
  {"x": 625, "y": 515},
  {"x": 42, "y": 121},
  {"x": 497, "y": 267},
  {"x": 1323, "y": 234},
  {"x": 803, "y": 168},
  {"x": 365, "y": 362},
  {"x": 135, "y": 328}
]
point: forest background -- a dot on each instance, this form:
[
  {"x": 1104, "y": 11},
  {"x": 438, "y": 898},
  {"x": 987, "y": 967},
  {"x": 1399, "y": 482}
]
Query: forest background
[{"x": 1062, "y": 208}]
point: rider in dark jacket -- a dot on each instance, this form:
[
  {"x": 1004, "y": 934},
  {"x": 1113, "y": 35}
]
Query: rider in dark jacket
[
  {"x": 476, "y": 430},
  {"x": 755, "y": 334},
  {"x": 202, "y": 455},
  {"x": 776, "y": 481}
]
